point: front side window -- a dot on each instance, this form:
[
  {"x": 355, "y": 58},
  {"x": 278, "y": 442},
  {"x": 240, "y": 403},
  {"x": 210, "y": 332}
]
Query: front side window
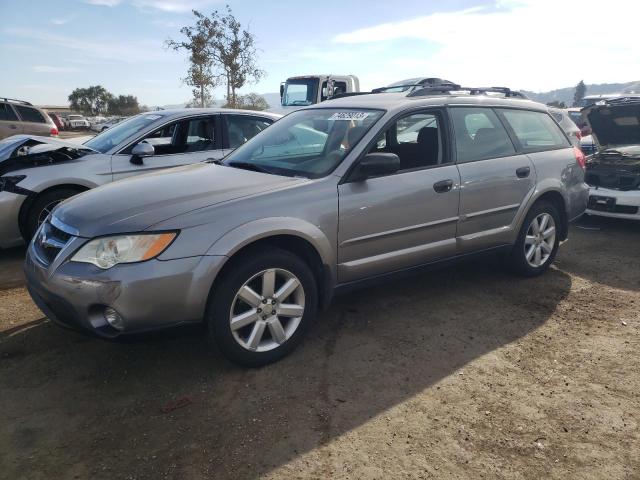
[
  {"x": 416, "y": 139},
  {"x": 479, "y": 134},
  {"x": 307, "y": 143},
  {"x": 535, "y": 130},
  {"x": 242, "y": 128},
  {"x": 29, "y": 114},
  {"x": 114, "y": 136},
  {"x": 7, "y": 113},
  {"x": 184, "y": 136}
]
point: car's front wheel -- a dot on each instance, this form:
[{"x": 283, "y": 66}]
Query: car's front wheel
[
  {"x": 262, "y": 306},
  {"x": 42, "y": 207},
  {"x": 538, "y": 240}
]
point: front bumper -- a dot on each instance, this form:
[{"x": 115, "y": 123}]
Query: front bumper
[
  {"x": 10, "y": 204},
  {"x": 148, "y": 295},
  {"x": 606, "y": 202}
]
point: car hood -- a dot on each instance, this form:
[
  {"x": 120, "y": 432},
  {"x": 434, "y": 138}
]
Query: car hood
[
  {"x": 25, "y": 151},
  {"x": 615, "y": 123},
  {"x": 136, "y": 204}
]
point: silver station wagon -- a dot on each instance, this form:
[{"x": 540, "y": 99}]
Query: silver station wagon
[
  {"x": 37, "y": 173},
  {"x": 253, "y": 245}
]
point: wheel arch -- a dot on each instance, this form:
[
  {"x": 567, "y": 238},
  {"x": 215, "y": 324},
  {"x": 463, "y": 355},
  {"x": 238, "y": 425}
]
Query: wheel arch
[
  {"x": 25, "y": 208},
  {"x": 557, "y": 200},
  {"x": 298, "y": 237}
]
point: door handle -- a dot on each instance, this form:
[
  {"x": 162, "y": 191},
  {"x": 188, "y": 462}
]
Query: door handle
[
  {"x": 12, "y": 127},
  {"x": 523, "y": 172},
  {"x": 443, "y": 186}
]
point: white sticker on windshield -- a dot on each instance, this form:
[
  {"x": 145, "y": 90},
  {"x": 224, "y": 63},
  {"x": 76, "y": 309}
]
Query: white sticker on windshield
[
  {"x": 152, "y": 117},
  {"x": 349, "y": 116}
]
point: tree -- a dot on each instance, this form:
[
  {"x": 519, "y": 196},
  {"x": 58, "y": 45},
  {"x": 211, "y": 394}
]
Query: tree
[
  {"x": 220, "y": 51},
  {"x": 581, "y": 90},
  {"x": 199, "y": 44},
  {"x": 234, "y": 49},
  {"x": 123, "y": 105},
  {"x": 251, "y": 101},
  {"x": 90, "y": 101}
]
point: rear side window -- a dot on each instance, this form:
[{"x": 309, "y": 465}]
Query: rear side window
[
  {"x": 535, "y": 130},
  {"x": 7, "y": 113},
  {"x": 29, "y": 114},
  {"x": 479, "y": 135},
  {"x": 242, "y": 128}
]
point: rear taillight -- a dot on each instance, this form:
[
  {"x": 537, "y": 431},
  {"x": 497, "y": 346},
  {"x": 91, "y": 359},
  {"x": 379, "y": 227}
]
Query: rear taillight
[
  {"x": 580, "y": 158},
  {"x": 53, "y": 132}
]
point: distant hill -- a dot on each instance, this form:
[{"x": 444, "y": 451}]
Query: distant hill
[{"x": 566, "y": 94}]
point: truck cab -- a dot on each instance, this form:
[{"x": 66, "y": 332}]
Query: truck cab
[{"x": 301, "y": 91}]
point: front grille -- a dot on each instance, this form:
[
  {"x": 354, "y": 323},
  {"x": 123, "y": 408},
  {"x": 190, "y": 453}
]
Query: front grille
[{"x": 50, "y": 241}]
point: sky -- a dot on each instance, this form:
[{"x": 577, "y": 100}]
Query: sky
[{"x": 49, "y": 48}]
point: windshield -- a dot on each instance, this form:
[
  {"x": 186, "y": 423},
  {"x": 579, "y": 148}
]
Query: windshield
[
  {"x": 306, "y": 143},
  {"x": 105, "y": 141},
  {"x": 300, "y": 92}
]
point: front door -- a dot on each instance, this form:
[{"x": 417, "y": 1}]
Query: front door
[
  {"x": 182, "y": 142},
  {"x": 405, "y": 219}
]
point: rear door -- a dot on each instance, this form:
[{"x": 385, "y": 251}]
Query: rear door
[
  {"x": 9, "y": 122},
  {"x": 239, "y": 129},
  {"x": 496, "y": 180},
  {"x": 33, "y": 121},
  {"x": 181, "y": 142},
  {"x": 405, "y": 219}
]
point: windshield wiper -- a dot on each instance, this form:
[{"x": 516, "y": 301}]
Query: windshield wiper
[{"x": 249, "y": 166}]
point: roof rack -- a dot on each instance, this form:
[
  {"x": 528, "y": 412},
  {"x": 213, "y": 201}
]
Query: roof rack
[
  {"x": 622, "y": 100},
  {"x": 15, "y": 101},
  {"x": 447, "y": 89}
]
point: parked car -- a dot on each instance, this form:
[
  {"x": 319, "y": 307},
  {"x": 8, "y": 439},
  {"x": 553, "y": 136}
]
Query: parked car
[
  {"x": 57, "y": 120},
  {"x": 37, "y": 173},
  {"x": 76, "y": 122},
  {"x": 254, "y": 244},
  {"x": 102, "y": 126},
  {"x": 567, "y": 124},
  {"x": 18, "y": 117},
  {"x": 613, "y": 172}
]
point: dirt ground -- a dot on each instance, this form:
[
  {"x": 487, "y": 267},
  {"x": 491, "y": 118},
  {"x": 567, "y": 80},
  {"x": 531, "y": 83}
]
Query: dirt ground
[{"x": 463, "y": 373}]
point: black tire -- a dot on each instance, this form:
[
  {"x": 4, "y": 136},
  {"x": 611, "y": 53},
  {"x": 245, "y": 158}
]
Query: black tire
[
  {"x": 47, "y": 200},
  {"x": 220, "y": 304},
  {"x": 517, "y": 259}
]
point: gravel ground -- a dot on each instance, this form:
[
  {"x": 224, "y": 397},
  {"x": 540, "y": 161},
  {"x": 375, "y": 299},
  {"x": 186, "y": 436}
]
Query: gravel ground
[{"x": 463, "y": 373}]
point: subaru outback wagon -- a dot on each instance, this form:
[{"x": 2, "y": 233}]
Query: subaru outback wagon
[{"x": 253, "y": 245}]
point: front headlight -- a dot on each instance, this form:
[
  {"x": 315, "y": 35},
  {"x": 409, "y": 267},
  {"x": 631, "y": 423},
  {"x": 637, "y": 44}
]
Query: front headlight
[{"x": 106, "y": 252}]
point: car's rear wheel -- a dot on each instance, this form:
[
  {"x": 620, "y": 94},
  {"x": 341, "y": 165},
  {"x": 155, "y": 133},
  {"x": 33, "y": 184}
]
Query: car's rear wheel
[
  {"x": 538, "y": 240},
  {"x": 42, "y": 207},
  {"x": 262, "y": 306}
]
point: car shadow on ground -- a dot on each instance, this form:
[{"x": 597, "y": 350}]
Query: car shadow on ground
[
  {"x": 595, "y": 253},
  {"x": 82, "y": 406}
]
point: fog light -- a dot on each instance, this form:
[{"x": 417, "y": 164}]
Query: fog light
[{"x": 113, "y": 318}]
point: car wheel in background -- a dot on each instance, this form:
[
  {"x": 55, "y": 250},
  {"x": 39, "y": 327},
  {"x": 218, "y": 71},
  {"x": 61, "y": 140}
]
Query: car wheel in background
[
  {"x": 42, "y": 207},
  {"x": 262, "y": 307},
  {"x": 538, "y": 240}
]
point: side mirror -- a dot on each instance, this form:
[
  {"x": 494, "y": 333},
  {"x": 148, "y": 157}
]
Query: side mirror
[
  {"x": 140, "y": 151},
  {"x": 376, "y": 165},
  {"x": 281, "y": 91}
]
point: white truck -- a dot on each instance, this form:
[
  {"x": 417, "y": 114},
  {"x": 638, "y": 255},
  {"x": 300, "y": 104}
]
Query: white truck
[{"x": 298, "y": 92}]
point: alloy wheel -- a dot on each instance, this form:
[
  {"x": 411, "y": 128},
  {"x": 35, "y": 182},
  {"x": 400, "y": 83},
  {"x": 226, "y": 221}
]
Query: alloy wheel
[
  {"x": 540, "y": 240},
  {"x": 267, "y": 310}
]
